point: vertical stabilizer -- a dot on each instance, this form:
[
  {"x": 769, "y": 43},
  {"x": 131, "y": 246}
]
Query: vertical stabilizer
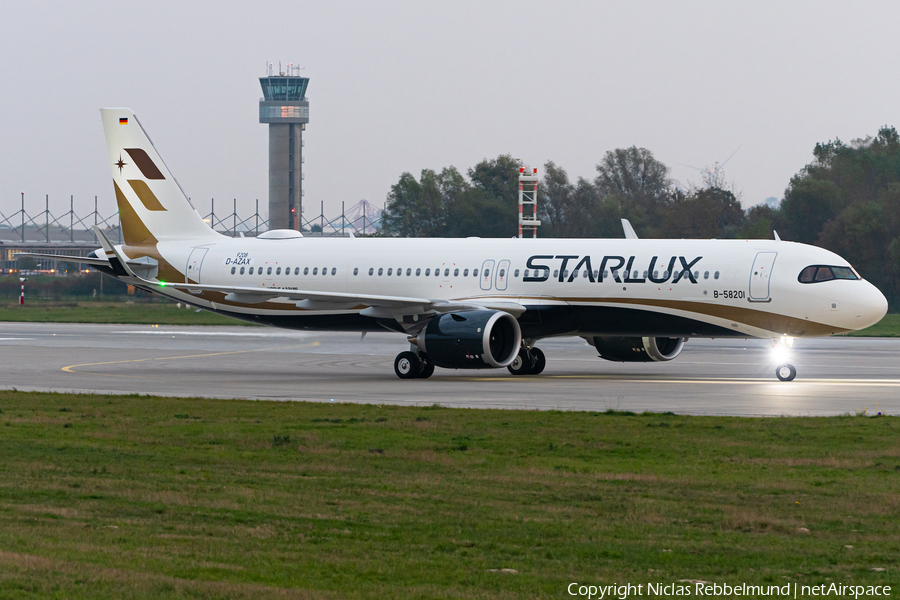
[{"x": 151, "y": 203}]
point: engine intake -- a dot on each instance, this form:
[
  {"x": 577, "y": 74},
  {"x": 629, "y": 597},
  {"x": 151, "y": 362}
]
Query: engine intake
[
  {"x": 472, "y": 339},
  {"x": 638, "y": 349}
]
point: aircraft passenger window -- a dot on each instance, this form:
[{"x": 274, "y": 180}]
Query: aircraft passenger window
[
  {"x": 355, "y": 271},
  {"x": 655, "y": 274},
  {"x": 315, "y": 270},
  {"x": 242, "y": 270},
  {"x": 705, "y": 274},
  {"x": 645, "y": 274},
  {"x": 525, "y": 274},
  {"x": 586, "y": 274},
  {"x": 251, "y": 270},
  {"x": 278, "y": 271},
  {"x": 437, "y": 272},
  {"x": 427, "y": 272},
  {"x": 487, "y": 273},
  {"x": 390, "y": 271},
  {"x": 371, "y": 270},
  {"x": 666, "y": 274},
  {"x": 465, "y": 272},
  {"x": 696, "y": 274},
  {"x": 596, "y": 274},
  {"x": 456, "y": 272},
  {"x": 380, "y": 271},
  {"x": 296, "y": 270},
  {"x": 233, "y": 269},
  {"x": 474, "y": 272},
  {"x": 446, "y": 272},
  {"x": 334, "y": 270},
  {"x": 306, "y": 270},
  {"x": 260, "y": 270},
  {"x": 324, "y": 270},
  {"x": 269, "y": 271},
  {"x": 614, "y": 274},
  {"x": 418, "y": 272},
  {"x": 408, "y": 272},
  {"x": 516, "y": 273},
  {"x": 556, "y": 273},
  {"x": 716, "y": 275},
  {"x": 634, "y": 275}
]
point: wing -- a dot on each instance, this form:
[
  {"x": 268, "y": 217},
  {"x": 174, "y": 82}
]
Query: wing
[{"x": 375, "y": 305}]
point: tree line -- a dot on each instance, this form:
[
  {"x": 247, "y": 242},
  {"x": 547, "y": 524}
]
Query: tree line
[{"x": 846, "y": 200}]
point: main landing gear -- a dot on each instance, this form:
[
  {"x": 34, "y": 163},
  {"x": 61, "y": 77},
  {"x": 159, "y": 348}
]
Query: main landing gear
[
  {"x": 528, "y": 362},
  {"x": 409, "y": 365}
]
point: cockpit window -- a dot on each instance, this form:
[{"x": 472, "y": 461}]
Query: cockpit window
[{"x": 818, "y": 273}]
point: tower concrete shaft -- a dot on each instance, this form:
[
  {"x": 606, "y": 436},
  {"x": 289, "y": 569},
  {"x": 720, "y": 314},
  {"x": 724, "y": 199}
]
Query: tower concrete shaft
[{"x": 285, "y": 108}]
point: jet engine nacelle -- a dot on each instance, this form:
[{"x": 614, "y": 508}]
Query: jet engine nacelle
[
  {"x": 638, "y": 349},
  {"x": 472, "y": 339}
]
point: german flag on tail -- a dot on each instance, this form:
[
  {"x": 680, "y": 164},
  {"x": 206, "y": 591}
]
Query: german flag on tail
[{"x": 123, "y": 120}]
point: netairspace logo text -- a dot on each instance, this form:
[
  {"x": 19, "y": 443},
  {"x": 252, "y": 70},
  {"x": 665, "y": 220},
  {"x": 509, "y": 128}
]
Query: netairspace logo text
[{"x": 701, "y": 589}]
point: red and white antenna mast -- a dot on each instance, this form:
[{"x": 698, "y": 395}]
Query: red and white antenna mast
[{"x": 528, "y": 185}]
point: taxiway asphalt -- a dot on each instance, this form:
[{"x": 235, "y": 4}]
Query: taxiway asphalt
[{"x": 716, "y": 377}]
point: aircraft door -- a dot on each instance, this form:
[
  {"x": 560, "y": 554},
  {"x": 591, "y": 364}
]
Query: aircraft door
[
  {"x": 487, "y": 274},
  {"x": 761, "y": 275},
  {"x": 195, "y": 261},
  {"x": 502, "y": 275}
]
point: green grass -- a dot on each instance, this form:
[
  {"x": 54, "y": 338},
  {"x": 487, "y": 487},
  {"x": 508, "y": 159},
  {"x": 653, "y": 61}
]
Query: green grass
[
  {"x": 889, "y": 326},
  {"x": 141, "y": 497},
  {"x": 163, "y": 313}
]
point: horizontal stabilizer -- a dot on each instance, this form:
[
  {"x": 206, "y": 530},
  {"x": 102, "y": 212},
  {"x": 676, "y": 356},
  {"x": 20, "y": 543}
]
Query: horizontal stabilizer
[{"x": 87, "y": 260}]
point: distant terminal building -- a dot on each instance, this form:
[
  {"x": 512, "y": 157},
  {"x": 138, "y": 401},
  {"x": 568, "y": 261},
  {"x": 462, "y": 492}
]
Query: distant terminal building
[{"x": 285, "y": 108}]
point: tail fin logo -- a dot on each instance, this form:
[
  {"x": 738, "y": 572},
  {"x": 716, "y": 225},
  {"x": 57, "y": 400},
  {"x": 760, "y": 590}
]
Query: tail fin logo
[
  {"x": 144, "y": 163},
  {"x": 121, "y": 164}
]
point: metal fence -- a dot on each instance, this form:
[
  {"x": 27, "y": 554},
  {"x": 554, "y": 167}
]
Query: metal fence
[{"x": 23, "y": 226}]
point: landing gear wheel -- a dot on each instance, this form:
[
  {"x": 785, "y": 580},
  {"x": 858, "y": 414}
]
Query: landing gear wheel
[
  {"x": 522, "y": 363},
  {"x": 427, "y": 369},
  {"x": 539, "y": 363},
  {"x": 407, "y": 365},
  {"x": 786, "y": 372}
]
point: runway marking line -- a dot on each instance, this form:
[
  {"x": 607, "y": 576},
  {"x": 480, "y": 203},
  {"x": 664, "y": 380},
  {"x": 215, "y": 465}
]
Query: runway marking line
[
  {"x": 70, "y": 368},
  {"x": 613, "y": 378}
]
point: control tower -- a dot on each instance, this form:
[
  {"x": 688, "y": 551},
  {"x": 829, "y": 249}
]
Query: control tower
[{"x": 285, "y": 108}]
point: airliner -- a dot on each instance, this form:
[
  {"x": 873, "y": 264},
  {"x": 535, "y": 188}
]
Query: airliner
[{"x": 475, "y": 303}]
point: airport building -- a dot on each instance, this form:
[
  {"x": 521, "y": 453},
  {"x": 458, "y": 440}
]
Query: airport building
[{"x": 285, "y": 108}]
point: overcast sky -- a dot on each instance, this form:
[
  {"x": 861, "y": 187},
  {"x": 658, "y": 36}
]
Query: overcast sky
[{"x": 402, "y": 86}]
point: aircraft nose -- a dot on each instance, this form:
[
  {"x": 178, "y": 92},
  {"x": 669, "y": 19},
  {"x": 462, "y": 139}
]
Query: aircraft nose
[{"x": 871, "y": 307}]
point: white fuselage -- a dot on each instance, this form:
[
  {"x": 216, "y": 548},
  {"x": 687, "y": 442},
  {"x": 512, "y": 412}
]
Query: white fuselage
[{"x": 746, "y": 288}]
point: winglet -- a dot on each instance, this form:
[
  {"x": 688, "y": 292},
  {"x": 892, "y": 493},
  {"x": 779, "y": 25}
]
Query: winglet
[
  {"x": 118, "y": 262},
  {"x": 629, "y": 230},
  {"x": 777, "y": 239}
]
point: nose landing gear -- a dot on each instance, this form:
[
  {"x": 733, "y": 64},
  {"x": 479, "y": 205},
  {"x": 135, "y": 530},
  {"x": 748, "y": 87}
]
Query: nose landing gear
[{"x": 785, "y": 371}]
